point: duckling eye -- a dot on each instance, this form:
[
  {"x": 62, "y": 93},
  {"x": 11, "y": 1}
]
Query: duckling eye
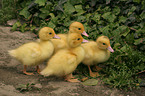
[
  {"x": 79, "y": 28},
  {"x": 104, "y": 44},
  {"x": 50, "y": 33},
  {"x": 78, "y": 39}
]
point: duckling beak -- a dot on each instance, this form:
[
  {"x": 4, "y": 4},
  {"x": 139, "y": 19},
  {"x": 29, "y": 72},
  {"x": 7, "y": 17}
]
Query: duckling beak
[
  {"x": 110, "y": 49},
  {"x": 56, "y": 37},
  {"x": 84, "y": 40},
  {"x": 84, "y": 33}
]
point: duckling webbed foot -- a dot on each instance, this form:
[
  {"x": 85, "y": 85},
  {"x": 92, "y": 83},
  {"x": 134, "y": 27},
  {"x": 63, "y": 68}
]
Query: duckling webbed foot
[
  {"x": 94, "y": 74},
  {"x": 25, "y": 72},
  {"x": 70, "y": 78}
]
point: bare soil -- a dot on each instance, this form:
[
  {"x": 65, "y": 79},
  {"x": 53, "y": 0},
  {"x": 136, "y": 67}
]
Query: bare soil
[{"x": 11, "y": 76}]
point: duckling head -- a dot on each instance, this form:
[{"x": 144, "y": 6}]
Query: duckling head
[
  {"x": 77, "y": 27},
  {"x": 75, "y": 39},
  {"x": 47, "y": 33},
  {"x": 103, "y": 42}
]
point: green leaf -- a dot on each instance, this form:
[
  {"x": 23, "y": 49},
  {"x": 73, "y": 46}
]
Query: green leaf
[
  {"x": 109, "y": 16},
  {"x": 51, "y": 24},
  {"x": 90, "y": 82},
  {"x": 138, "y": 1},
  {"x": 68, "y": 8},
  {"x": 25, "y": 13},
  {"x": 122, "y": 19},
  {"x": 96, "y": 17},
  {"x": 138, "y": 41},
  {"x": 14, "y": 28},
  {"x": 116, "y": 10},
  {"x": 79, "y": 9},
  {"x": 23, "y": 27},
  {"x": 40, "y": 2},
  {"x": 142, "y": 15},
  {"x": 125, "y": 32},
  {"x": 16, "y": 25}
]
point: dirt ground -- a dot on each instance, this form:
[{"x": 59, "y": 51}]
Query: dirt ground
[{"x": 11, "y": 76}]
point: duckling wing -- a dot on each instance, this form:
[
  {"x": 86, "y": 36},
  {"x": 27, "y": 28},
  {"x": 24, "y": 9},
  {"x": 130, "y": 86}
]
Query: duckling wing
[{"x": 29, "y": 50}]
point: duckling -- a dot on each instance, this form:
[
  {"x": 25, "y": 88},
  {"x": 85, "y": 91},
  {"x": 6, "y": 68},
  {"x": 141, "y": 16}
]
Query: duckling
[
  {"x": 96, "y": 52},
  {"x": 75, "y": 27},
  {"x": 65, "y": 61},
  {"x": 33, "y": 53}
]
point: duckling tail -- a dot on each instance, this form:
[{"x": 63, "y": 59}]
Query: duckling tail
[
  {"x": 12, "y": 53},
  {"x": 46, "y": 72}
]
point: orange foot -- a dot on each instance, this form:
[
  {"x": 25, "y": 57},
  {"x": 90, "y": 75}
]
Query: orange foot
[
  {"x": 72, "y": 80},
  {"x": 28, "y": 73},
  {"x": 94, "y": 74}
]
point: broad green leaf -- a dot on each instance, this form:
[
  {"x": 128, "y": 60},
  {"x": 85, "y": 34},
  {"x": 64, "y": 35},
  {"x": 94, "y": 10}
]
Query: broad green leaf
[
  {"x": 125, "y": 32},
  {"x": 124, "y": 48},
  {"x": 90, "y": 82},
  {"x": 116, "y": 10},
  {"x": 105, "y": 30},
  {"x": 96, "y": 17},
  {"x": 14, "y": 27},
  {"x": 81, "y": 18},
  {"x": 122, "y": 19},
  {"x": 51, "y": 24},
  {"x": 43, "y": 15},
  {"x": 25, "y": 13},
  {"x": 68, "y": 8},
  {"x": 23, "y": 27},
  {"x": 142, "y": 15},
  {"x": 138, "y": 41},
  {"x": 79, "y": 9},
  {"x": 109, "y": 16},
  {"x": 138, "y": 1},
  {"x": 40, "y": 2}
]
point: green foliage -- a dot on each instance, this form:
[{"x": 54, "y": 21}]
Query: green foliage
[
  {"x": 27, "y": 87},
  {"x": 124, "y": 25},
  {"x": 7, "y": 10}
]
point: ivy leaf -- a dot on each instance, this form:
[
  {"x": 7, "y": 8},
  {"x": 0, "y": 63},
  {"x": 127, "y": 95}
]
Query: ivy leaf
[
  {"x": 51, "y": 24},
  {"x": 122, "y": 19},
  {"x": 90, "y": 82},
  {"x": 40, "y": 2},
  {"x": 138, "y": 41},
  {"x": 23, "y": 27},
  {"x": 138, "y": 1},
  {"x": 96, "y": 17},
  {"x": 109, "y": 16},
  {"x": 142, "y": 15},
  {"x": 68, "y": 8},
  {"x": 25, "y": 13},
  {"x": 116, "y": 10},
  {"x": 126, "y": 31},
  {"x": 79, "y": 9}
]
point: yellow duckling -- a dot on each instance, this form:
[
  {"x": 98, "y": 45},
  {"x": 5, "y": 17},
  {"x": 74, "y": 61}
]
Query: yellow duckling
[
  {"x": 75, "y": 27},
  {"x": 96, "y": 52},
  {"x": 33, "y": 53},
  {"x": 65, "y": 61}
]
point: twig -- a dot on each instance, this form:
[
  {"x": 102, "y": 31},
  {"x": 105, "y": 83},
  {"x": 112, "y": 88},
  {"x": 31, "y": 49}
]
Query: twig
[{"x": 141, "y": 72}]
